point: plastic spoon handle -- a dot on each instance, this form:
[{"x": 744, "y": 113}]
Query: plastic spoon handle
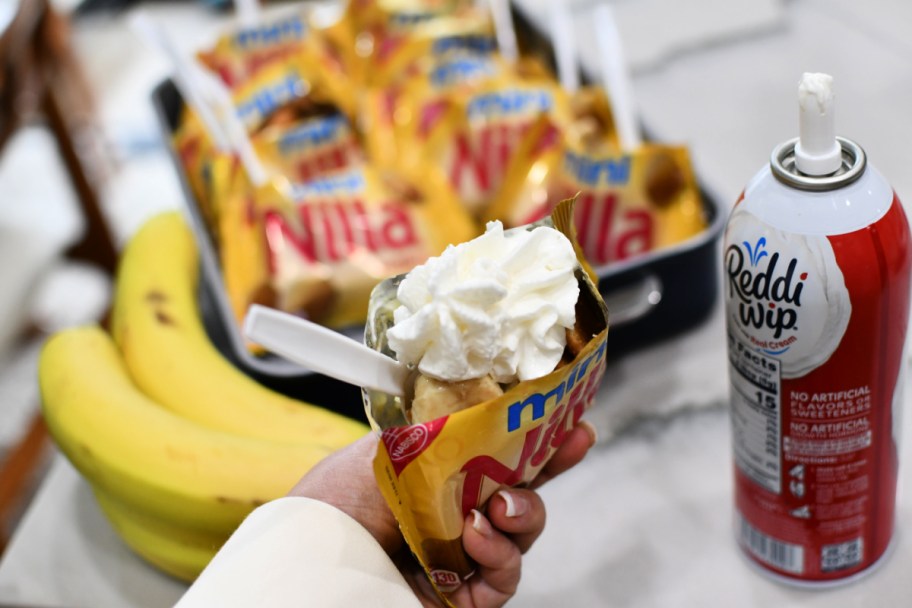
[
  {"x": 616, "y": 76},
  {"x": 324, "y": 350}
]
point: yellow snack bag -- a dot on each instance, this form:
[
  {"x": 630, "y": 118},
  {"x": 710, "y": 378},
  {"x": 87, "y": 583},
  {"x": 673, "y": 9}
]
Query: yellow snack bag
[
  {"x": 388, "y": 121},
  {"x": 591, "y": 127},
  {"x": 431, "y": 49},
  {"x": 628, "y": 204},
  {"x": 239, "y": 54},
  {"x": 309, "y": 148},
  {"x": 371, "y": 32},
  {"x": 208, "y": 169},
  {"x": 471, "y": 134},
  {"x": 242, "y": 247},
  {"x": 283, "y": 93},
  {"x": 433, "y": 473},
  {"x": 320, "y": 247}
]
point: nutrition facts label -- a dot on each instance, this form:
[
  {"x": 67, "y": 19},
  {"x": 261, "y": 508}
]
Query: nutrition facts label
[{"x": 756, "y": 413}]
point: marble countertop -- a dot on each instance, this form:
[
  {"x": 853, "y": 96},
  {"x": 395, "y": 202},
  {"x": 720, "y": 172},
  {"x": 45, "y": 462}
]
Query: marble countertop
[{"x": 646, "y": 520}]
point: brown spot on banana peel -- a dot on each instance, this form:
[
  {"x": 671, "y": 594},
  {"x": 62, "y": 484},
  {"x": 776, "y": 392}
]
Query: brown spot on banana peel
[
  {"x": 255, "y": 502},
  {"x": 156, "y": 297},
  {"x": 163, "y": 318}
]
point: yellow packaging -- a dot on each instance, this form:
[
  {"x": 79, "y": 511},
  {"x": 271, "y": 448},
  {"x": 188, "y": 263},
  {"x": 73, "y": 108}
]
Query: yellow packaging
[
  {"x": 433, "y": 474},
  {"x": 238, "y": 55},
  {"x": 208, "y": 169},
  {"x": 242, "y": 248},
  {"x": 320, "y": 247},
  {"x": 592, "y": 127},
  {"x": 374, "y": 28},
  {"x": 471, "y": 134},
  {"x": 309, "y": 148},
  {"x": 628, "y": 203},
  {"x": 432, "y": 49},
  {"x": 284, "y": 92},
  {"x": 443, "y": 55}
]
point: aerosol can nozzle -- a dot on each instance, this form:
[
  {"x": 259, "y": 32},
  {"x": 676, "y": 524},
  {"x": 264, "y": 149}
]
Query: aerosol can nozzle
[{"x": 817, "y": 151}]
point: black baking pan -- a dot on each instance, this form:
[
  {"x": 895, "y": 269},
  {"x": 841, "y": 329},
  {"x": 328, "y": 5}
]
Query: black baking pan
[{"x": 650, "y": 298}]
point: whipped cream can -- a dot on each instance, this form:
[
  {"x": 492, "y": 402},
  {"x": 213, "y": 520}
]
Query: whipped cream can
[{"x": 816, "y": 276}]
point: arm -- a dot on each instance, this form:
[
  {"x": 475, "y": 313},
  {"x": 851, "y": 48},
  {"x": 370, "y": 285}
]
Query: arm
[{"x": 298, "y": 551}]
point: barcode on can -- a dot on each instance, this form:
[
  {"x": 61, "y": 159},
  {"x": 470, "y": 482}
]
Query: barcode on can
[
  {"x": 842, "y": 555},
  {"x": 779, "y": 554}
]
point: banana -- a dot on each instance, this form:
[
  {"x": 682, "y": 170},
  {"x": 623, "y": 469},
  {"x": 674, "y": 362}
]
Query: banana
[
  {"x": 177, "y": 550},
  {"x": 156, "y": 323},
  {"x": 148, "y": 457}
]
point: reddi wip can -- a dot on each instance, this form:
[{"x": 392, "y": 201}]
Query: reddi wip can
[{"x": 816, "y": 275}]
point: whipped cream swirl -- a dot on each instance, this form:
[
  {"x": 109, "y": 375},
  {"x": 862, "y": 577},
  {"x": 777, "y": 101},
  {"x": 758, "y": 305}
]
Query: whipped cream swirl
[{"x": 498, "y": 304}]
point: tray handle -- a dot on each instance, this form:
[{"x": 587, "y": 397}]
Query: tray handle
[{"x": 635, "y": 301}]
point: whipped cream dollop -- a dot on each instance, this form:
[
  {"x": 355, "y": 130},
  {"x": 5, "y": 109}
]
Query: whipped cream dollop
[{"x": 498, "y": 304}]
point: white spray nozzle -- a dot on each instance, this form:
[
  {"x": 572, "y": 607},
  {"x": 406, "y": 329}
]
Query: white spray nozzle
[{"x": 817, "y": 151}]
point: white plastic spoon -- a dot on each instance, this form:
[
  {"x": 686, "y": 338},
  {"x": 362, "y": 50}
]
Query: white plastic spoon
[
  {"x": 323, "y": 350},
  {"x": 616, "y": 76}
]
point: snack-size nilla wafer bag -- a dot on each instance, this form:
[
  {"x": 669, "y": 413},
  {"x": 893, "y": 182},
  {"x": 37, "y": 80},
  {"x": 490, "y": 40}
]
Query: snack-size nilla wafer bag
[{"x": 433, "y": 472}]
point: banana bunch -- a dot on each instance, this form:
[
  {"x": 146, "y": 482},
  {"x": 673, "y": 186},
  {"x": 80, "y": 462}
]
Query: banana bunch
[{"x": 177, "y": 444}]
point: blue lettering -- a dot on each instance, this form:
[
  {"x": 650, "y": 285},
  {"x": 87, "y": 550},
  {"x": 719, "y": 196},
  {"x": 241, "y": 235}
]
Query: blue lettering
[
  {"x": 348, "y": 181},
  {"x": 477, "y": 44},
  {"x": 268, "y": 99},
  {"x": 250, "y": 38},
  {"x": 459, "y": 70},
  {"x": 592, "y": 171},
  {"x": 312, "y": 133},
  {"x": 538, "y": 400},
  {"x": 510, "y": 102}
]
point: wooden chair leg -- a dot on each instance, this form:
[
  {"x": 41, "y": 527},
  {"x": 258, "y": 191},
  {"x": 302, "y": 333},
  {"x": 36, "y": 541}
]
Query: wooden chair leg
[{"x": 18, "y": 471}]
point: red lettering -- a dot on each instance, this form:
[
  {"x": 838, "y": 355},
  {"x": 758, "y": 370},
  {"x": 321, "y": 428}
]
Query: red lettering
[
  {"x": 638, "y": 238},
  {"x": 280, "y": 234},
  {"x": 606, "y": 223},
  {"x": 487, "y": 160},
  {"x": 467, "y": 162},
  {"x": 538, "y": 445},
  {"x": 480, "y": 467},
  {"x": 584, "y": 205},
  {"x": 320, "y": 162},
  {"x": 544, "y": 450},
  {"x": 329, "y": 232},
  {"x": 506, "y": 143},
  {"x": 330, "y": 253},
  {"x": 398, "y": 229},
  {"x": 348, "y": 237},
  {"x": 618, "y": 234},
  {"x": 362, "y": 227}
]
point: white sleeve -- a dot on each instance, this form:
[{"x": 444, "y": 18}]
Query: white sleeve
[{"x": 300, "y": 552}]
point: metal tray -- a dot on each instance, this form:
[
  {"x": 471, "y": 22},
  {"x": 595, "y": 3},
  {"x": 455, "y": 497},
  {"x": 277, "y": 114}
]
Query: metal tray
[{"x": 650, "y": 298}]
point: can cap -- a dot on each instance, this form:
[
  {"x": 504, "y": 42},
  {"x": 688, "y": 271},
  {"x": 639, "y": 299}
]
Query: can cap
[{"x": 817, "y": 151}]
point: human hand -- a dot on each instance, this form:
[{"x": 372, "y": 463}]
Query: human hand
[{"x": 496, "y": 541}]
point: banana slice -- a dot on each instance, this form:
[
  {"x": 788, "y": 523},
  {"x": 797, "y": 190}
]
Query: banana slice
[{"x": 435, "y": 398}]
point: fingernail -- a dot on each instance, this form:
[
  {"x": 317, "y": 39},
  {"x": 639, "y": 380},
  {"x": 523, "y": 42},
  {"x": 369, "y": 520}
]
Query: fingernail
[
  {"x": 516, "y": 505},
  {"x": 589, "y": 428},
  {"x": 481, "y": 524}
]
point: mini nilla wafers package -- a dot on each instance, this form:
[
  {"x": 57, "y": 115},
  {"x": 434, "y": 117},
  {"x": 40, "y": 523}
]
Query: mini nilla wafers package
[
  {"x": 318, "y": 248},
  {"x": 434, "y": 472},
  {"x": 628, "y": 202}
]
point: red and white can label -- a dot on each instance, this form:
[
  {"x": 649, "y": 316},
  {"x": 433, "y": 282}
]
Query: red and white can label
[{"x": 816, "y": 330}]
